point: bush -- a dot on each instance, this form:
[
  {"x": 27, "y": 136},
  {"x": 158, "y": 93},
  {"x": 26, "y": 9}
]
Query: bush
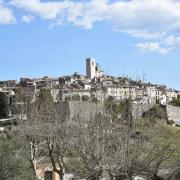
[
  {"x": 171, "y": 122},
  {"x": 157, "y": 112},
  {"x": 117, "y": 108},
  {"x": 45, "y": 96},
  {"x": 76, "y": 97},
  {"x": 68, "y": 98},
  {"x": 175, "y": 102},
  {"x": 85, "y": 98},
  {"x": 95, "y": 100},
  {"x": 14, "y": 158}
]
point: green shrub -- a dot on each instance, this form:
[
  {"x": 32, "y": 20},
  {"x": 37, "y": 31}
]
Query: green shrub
[
  {"x": 95, "y": 100},
  {"x": 85, "y": 98},
  {"x": 76, "y": 97},
  {"x": 175, "y": 102},
  {"x": 156, "y": 112},
  {"x": 68, "y": 98}
]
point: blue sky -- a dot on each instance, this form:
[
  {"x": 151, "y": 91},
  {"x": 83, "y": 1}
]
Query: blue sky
[{"x": 53, "y": 38}]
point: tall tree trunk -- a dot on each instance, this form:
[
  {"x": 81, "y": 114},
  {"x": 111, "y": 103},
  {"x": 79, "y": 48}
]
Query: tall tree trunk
[
  {"x": 61, "y": 166},
  {"x": 33, "y": 166},
  {"x": 32, "y": 160},
  {"x": 61, "y": 175},
  {"x": 55, "y": 168}
]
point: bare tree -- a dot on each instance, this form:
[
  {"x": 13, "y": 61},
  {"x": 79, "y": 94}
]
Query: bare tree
[
  {"x": 96, "y": 144},
  {"x": 54, "y": 131},
  {"x": 92, "y": 126},
  {"x": 31, "y": 128},
  {"x": 58, "y": 139},
  {"x": 157, "y": 150},
  {"x": 47, "y": 129},
  {"x": 136, "y": 147}
]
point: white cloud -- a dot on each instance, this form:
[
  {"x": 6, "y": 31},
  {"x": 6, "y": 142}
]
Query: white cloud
[
  {"x": 79, "y": 13},
  {"x": 153, "y": 47},
  {"x": 27, "y": 18},
  {"x": 144, "y": 33},
  {"x": 94, "y": 11},
  {"x": 46, "y": 10},
  {"x": 147, "y": 19},
  {"x": 6, "y": 15},
  {"x": 172, "y": 41},
  {"x": 153, "y": 15}
]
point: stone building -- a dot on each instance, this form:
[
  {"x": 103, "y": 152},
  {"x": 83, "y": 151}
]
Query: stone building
[
  {"x": 120, "y": 92},
  {"x": 171, "y": 94},
  {"x": 93, "y": 69},
  {"x": 8, "y": 83},
  {"x": 90, "y": 68}
]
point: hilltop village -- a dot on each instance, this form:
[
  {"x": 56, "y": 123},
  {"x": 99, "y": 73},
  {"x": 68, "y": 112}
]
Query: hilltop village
[
  {"x": 72, "y": 135},
  {"x": 95, "y": 86}
]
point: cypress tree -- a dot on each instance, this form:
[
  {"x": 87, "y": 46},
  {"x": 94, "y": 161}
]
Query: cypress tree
[
  {"x": 45, "y": 96},
  {"x": 4, "y": 105}
]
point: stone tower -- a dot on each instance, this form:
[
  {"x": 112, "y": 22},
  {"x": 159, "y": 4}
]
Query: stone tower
[{"x": 90, "y": 68}]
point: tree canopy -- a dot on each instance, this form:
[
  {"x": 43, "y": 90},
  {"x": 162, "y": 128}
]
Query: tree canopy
[
  {"x": 45, "y": 96},
  {"x": 175, "y": 102},
  {"x": 14, "y": 162}
]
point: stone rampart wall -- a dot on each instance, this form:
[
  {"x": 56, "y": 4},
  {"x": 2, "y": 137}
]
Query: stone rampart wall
[{"x": 173, "y": 114}]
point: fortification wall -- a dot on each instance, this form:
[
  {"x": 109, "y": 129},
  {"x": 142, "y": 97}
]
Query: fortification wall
[
  {"x": 73, "y": 109},
  {"x": 173, "y": 114},
  {"x": 139, "y": 109}
]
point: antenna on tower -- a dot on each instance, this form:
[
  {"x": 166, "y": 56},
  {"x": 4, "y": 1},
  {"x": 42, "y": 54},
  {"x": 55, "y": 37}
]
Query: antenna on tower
[
  {"x": 106, "y": 71},
  {"x": 144, "y": 77}
]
